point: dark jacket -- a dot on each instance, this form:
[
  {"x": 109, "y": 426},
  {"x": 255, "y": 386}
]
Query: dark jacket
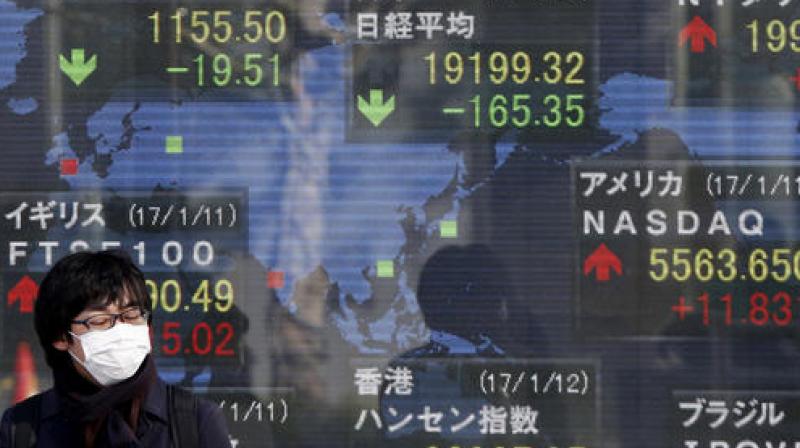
[{"x": 153, "y": 428}]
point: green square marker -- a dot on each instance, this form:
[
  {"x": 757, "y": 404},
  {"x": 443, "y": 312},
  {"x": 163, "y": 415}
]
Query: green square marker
[
  {"x": 174, "y": 144},
  {"x": 448, "y": 229},
  {"x": 385, "y": 268}
]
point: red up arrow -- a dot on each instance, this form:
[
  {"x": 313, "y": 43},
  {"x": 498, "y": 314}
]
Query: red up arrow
[
  {"x": 602, "y": 260},
  {"x": 24, "y": 292},
  {"x": 698, "y": 31}
]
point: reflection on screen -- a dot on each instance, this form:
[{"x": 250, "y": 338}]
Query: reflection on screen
[{"x": 424, "y": 223}]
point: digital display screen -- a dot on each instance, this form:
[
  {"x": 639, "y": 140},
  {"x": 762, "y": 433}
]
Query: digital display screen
[{"x": 424, "y": 223}]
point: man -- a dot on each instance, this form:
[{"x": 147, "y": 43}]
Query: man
[{"x": 93, "y": 320}]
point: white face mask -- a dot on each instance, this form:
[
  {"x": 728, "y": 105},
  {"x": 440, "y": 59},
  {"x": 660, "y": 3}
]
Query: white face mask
[{"x": 114, "y": 355}]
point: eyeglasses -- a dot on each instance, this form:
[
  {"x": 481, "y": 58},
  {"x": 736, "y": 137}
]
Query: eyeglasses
[{"x": 99, "y": 322}]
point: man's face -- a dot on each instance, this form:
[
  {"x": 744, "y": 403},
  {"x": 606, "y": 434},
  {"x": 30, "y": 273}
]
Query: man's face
[{"x": 94, "y": 319}]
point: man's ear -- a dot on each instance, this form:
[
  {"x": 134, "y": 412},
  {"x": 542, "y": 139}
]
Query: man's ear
[{"x": 61, "y": 343}]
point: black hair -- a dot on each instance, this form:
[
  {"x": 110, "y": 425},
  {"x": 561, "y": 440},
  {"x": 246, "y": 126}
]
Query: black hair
[
  {"x": 80, "y": 281},
  {"x": 464, "y": 290}
]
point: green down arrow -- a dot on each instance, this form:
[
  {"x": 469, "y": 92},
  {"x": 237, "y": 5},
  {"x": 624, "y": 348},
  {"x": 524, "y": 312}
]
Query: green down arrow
[
  {"x": 375, "y": 110},
  {"x": 79, "y": 69}
]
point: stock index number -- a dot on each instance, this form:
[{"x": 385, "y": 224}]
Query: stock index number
[
  {"x": 499, "y": 67},
  {"x": 220, "y": 26}
]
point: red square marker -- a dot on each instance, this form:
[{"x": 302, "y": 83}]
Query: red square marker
[
  {"x": 275, "y": 280},
  {"x": 69, "y": 167}
]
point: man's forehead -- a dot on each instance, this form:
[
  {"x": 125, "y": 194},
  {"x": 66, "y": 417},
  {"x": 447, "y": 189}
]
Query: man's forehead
[{"x": 106, "y": 305}]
